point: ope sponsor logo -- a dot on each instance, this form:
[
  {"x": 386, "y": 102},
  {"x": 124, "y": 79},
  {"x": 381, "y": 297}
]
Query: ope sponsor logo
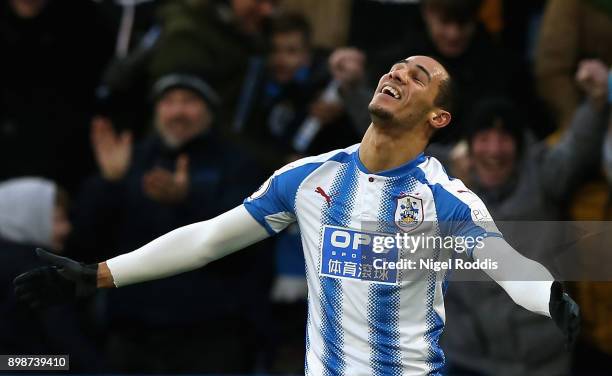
[
  {"x": 346, "y": 239},
  {"x": 347, "y": 253}
]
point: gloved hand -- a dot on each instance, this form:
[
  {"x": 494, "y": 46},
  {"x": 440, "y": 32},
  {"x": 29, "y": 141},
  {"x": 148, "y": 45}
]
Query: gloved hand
[
  {"x": 565, "y": 313},
  {"x": 62, "y": 281}
]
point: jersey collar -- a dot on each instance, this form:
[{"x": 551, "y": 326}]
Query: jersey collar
[{"x": 402, "y": 170}]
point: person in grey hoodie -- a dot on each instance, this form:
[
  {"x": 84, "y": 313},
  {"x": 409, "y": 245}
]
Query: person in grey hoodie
[{"x": 33, "y": 213}]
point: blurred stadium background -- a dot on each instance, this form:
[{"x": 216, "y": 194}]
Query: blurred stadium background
[{"x": 123, "y": 119}]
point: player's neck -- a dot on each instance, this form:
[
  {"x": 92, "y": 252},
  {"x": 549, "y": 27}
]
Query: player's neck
[{"x": 381, "y": 150}]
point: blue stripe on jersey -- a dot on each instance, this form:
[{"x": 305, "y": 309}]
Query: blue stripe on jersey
[
  {"x": 434, "y": 324},
  {"x": 331, "y": 328},
  {"x": 454, "y": 216},
  {"x": 338, "y": 213},
  {"x": 307, "y": 328},
  {"x": 341, "y": 157},
  {"x": 384, "y": 303}
]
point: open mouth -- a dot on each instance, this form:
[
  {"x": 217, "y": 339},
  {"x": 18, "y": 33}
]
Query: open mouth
[{"x": 391, "y": 91}]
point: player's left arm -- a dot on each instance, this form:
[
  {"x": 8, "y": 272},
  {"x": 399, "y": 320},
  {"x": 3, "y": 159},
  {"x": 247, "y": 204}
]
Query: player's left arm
[
  {"x": 527, "y": 282},
  {"x": 530, "y": 285}
]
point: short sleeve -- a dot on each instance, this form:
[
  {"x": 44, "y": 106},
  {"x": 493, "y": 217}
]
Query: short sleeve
[
  {"x": 273, "y": 204},
  {"x": 463, "y": 214}
]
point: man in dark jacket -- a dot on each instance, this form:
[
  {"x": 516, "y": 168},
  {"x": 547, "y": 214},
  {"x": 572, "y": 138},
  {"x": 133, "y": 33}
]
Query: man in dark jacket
[{"x": 181, "y": 174}]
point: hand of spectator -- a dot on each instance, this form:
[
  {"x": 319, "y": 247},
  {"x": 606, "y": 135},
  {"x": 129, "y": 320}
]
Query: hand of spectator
[
  {"x": 165, "y": 187},
  {"x": 113, "y": 152},
  {"x": 347, "y": 65},
  {"x": 460, "y": 162},
  {"x": 592, "y": 77},
  {"x": 326, "y": 112}
]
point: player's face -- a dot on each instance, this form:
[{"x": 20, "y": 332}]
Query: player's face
[
  {"x": 405, "y": 96},
  {"x": 493, "y": 155},
  {"x": 289, "y": 53},
  {"x": 180, "y": 116}
]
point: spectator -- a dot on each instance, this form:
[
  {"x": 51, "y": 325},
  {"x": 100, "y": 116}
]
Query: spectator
[
  {"x": 595, "y": 297},
  {"x": 47, "y": 78},
  {"x": 519, "y": 181},
  {"x": 180, "y": 175},
  {"x": 34, "y": 213},
  {"x": 212, "y": 38},
  {"x": 572, "y": 30},
  {"x": 293, "y": 107}
]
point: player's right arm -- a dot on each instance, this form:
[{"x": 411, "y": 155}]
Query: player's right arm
[
  {"x": 265, "y": 213},
  {"x": 182, "y": 250}
]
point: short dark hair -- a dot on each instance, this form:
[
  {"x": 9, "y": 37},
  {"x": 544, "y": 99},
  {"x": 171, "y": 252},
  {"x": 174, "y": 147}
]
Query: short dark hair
[
  {"x": 462, "y": 11},
  {"x": 497, "y": 112},
  {"x": 445, "y": 97},
  {"x": 288, "y": 22}
]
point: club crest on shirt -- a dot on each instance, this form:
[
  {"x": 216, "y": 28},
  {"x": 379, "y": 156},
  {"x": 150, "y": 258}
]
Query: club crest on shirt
[{"x": 408, "y": 212}]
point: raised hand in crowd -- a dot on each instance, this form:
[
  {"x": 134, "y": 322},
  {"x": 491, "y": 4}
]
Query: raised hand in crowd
[
  {"x": 166, "y": 187},
  {"x": 327, "y": 112},
  {"x": 113, "y": 151},
  {"x": 592, "y": 77},
  {"x": 347, "y": 66}
]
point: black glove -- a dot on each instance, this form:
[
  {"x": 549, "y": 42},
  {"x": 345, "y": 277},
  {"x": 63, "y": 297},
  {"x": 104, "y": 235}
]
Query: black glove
[
  {"x": 565, "y": 313},
  {"x": 62, "y": 281}
]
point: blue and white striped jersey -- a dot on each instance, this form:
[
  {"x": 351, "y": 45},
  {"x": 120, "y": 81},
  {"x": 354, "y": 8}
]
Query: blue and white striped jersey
[{"x": 362, "y": 320}]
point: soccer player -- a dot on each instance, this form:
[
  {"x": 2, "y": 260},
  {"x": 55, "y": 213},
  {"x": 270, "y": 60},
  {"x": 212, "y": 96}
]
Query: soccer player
[{"x": 362, "y": 320}]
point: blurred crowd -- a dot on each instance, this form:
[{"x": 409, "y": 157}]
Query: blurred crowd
[{"x": 121, "y": 120}]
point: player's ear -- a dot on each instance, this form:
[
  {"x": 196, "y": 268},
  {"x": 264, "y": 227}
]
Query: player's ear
[{"x": 439, "y": 118}]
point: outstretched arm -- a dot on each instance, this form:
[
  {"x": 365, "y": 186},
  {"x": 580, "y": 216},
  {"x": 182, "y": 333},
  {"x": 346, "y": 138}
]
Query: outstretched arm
[
  {"x": 530, "y": 285},
  {"x": 184, "y": 249},
  {"x": 527, "y": 282},
  {"x": 179, "y": 251}
]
